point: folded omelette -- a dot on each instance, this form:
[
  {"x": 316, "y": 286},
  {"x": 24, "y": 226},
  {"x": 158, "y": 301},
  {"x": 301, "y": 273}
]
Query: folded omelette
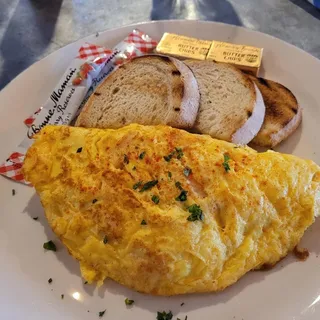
[{"x": 167, "y": 212}]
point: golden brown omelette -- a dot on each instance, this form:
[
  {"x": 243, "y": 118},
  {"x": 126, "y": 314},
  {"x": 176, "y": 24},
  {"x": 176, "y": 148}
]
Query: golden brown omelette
[{"x": 167, "y": 212}]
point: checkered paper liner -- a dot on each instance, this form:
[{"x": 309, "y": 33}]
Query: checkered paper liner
[
  {"x": 11, "y": 168},
  {"x": 135, "y": 44},
  {"x": 88, "y": 51},
  {"x": 143, "y": 43}
]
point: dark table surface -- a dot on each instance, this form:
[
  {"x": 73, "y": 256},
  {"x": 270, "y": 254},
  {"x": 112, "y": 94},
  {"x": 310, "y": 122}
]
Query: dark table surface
[{"x": 31, "y": 29}]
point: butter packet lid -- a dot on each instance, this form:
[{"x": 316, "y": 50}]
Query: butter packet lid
[
  {"x": 183, "y": 47},
  {"x": 85, "y": 72},
  {"x": 245, "y": 57}
]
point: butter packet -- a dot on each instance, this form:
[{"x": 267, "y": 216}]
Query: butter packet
[
  {"x": 246, "y": 58},
  {"x": 183, "y": 47}
]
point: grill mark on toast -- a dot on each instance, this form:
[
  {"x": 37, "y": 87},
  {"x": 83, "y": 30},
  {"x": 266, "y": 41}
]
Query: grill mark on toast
[
  {"x": 181, "y": 89},
  {"x": 166, "y": 59},
  {"x": 176, "y": 73},
  {"x": 273, "y": 110},
  {"x": 263, "y": 82}
]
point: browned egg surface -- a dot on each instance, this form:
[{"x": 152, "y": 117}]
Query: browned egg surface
[{"x": 167, "y": 212}]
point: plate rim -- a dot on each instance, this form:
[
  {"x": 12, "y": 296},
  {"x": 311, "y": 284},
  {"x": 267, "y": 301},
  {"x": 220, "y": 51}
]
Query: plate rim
[{"x": 135, "y": 25}]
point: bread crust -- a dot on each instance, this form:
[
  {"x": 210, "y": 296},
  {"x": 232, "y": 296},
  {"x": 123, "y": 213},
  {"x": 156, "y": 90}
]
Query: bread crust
[
  {"x": 283, "y": 113},
  {"x": 250, "y": 128}
]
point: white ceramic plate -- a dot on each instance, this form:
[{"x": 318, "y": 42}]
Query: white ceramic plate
[{"x": 290, "y": 291}]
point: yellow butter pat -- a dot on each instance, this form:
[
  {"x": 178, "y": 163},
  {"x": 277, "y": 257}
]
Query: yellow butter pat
[
  {"x": 183, "y": 47},
  {"x": 244, "y": 57}
]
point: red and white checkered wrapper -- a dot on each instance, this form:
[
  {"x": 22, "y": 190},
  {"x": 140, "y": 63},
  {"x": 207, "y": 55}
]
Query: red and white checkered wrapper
[
  {"x": 92, "y": 65},
  {"x": 11, "y": 168}
]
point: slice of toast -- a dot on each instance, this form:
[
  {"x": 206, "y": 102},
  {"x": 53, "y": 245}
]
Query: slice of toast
[
  {"x": 283, "y": 113},
  {"x": 148, "y": 90},
  {"x": 231, "y": 106}
]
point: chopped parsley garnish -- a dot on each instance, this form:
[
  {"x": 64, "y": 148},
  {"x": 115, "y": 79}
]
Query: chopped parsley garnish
[
  {"x": 187, "y": 171},
  {"x": 164, "y": 315},
  {"x": 101, "y": 313},
  {"x": 155, "y": 199},
  {"x": 143, "y": 223},
  {"x": 94, "y": 201},
  {"x": 182, "y": 196},
  {"x": 169, "y": 175},
  {"x": 182, "y": 304},
  {"x": 148, "y": 185},
  {"x": 125, "y": 159},
  {"x": 169, "y": 156},
  {"x": 179, "y": 153},
  {"x": 50, "y": 280},
  {"x": 128, "y": 302},
  {"x": 142, "y": 154},
  {"x": 196, "y": 213},
  {"x": 35, "y": 218},
  {"x": 178, "y": 185},
  {"x": 62, "y": 296},
  {"x": 86, "y": 282},
  {"x": 13, "y": 192},
  {"x": 226, "y": 162},
  {"x": 137, "y": 185},
  {"x": 50, "y": 246},
  {"x": 105, "y": 240},
  {"x": 79, "y": 150}
]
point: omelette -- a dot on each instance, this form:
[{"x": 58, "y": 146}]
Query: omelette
[{"x": 166, "y": 212}]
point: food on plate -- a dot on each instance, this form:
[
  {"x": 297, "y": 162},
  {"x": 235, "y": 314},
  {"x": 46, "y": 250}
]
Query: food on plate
[
  {"x": 231, "y": 105},
  {"x": 246, "y": 58},
  {"x": 167, "y": 212},
  {"x": 283, "y": 113},
  {"x": 148, "y": 90},
  {"x": 183, "y": 47}
]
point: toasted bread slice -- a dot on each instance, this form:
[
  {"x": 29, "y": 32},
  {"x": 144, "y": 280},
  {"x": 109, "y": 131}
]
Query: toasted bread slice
[
  {"x": 231, "y": 106},
  {"x": 283, "y": 113},
  {"x": 149, "y": 90}
]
